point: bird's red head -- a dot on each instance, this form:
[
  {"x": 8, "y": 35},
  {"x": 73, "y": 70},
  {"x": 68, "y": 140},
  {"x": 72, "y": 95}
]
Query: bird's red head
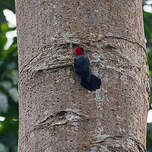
[{"x": 79, "y": 51}]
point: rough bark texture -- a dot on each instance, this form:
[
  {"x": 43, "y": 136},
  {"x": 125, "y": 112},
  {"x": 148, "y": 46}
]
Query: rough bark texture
[{"x": 56, "y": 113}]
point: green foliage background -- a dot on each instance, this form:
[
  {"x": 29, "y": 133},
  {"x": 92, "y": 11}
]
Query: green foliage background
[{"x": 9, "y": 77}]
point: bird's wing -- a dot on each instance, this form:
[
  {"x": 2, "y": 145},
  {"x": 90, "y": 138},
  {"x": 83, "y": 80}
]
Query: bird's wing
[
  {"x": 82, "y": 65},
  {"x": 78, "y": 61}
]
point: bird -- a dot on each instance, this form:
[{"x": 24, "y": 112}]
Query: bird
[{"x": 82, "y": 67}]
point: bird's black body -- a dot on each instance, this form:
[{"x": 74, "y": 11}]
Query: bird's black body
[{"x": 82, "y": 68}]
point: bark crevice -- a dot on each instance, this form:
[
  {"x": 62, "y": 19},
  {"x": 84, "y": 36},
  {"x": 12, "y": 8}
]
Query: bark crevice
[{"x": 116, "y": 139}]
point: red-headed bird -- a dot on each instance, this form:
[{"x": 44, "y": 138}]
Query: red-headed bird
[{"x": 82, "y": 68}]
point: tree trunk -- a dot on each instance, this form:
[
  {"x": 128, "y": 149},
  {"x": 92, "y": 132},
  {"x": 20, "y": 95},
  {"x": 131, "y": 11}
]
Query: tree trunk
[{"x": 56, "y": 113}]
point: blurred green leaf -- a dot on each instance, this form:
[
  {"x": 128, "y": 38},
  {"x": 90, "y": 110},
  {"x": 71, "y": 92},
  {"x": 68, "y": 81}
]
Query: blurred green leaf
[
  {"x": 149, "y": 137},
  {"x": 4, "y": 27},
  {"x": 147, "y": 26},
  {"x": 3, "y": 103},
  {"x": 6, "y": 85},
  {"x": 3, "y": 148},
  {"x": 14, "y": 94},
  {"x": 150, "y": 61}
]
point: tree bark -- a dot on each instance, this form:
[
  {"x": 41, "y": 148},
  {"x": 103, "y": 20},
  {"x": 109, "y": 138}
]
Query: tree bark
[{"x": 56, "y": 114}]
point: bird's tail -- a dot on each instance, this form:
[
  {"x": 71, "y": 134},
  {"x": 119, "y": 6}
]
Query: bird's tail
[{"x": 93, "y": 84}]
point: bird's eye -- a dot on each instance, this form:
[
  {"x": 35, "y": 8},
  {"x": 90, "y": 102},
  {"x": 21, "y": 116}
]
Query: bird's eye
[{"x": 81, "y": 48}]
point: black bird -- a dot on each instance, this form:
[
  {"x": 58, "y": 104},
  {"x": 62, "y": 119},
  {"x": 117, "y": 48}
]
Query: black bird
[{"x": 82, "y": 68}]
